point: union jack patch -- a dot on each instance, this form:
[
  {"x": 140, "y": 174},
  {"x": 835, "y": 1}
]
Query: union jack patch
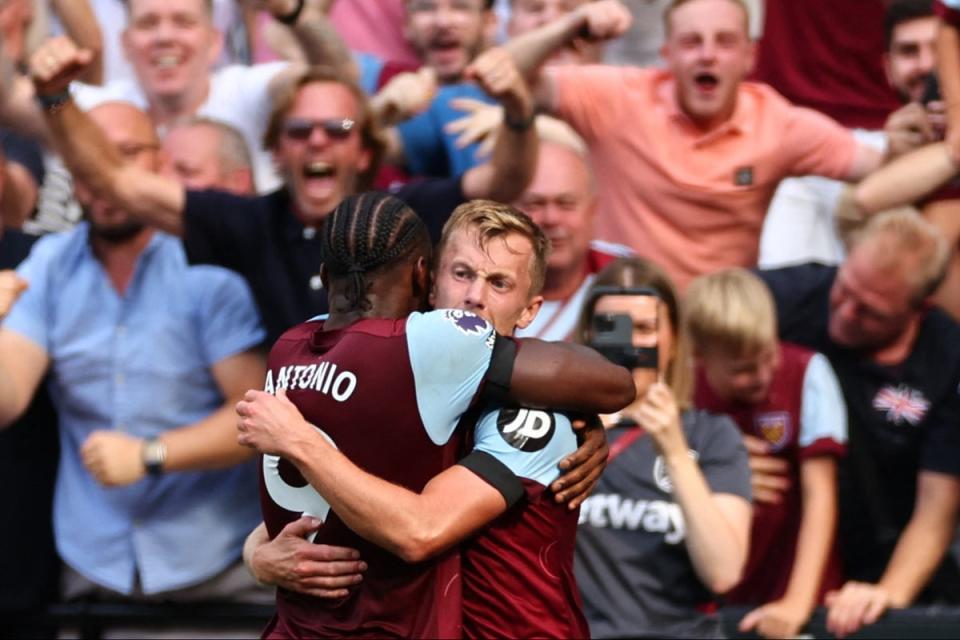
[{"x": 902, "y": 404}]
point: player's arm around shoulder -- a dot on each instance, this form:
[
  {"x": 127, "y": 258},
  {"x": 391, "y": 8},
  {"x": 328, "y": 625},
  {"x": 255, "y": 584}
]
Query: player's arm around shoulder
[
  {"x": 454, "y": 351},
  {"x": 512, "y": 444},
  {"x": 568, "y": 377}
]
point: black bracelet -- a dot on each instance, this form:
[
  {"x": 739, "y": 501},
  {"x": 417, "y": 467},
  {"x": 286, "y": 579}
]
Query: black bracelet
[
  {"x": 519, "y": 125},
  {"x": 53, "y": 101},
  {"x": 291, "y": 18}
]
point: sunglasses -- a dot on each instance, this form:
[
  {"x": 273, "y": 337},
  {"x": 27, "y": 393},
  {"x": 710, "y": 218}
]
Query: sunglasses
[{"x": 302, "y": 129}]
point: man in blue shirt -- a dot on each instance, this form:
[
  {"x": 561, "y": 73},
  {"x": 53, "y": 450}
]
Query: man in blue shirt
[
  {"x": 146, "y": 358},
  {"x": 449, "y": 35}
]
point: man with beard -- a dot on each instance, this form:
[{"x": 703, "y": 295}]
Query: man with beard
[
  {"x": 146, "y": 357},
  {"x": 688, "y": 182},
  {"x": 173, "y": 45},
  {"x": 801, "y": 221},
  {"x": 327, "y": 146},
  {"x": 448, "y": 35}
]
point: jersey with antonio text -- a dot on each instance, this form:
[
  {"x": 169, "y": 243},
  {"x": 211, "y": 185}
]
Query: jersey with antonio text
[
  {"x": 518, "y": 572},
  {"x": 389, "y": 395},
  {"x": 803, "y": 416}
]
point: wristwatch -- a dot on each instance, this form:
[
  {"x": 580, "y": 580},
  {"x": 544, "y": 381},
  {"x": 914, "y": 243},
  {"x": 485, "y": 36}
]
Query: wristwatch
[
  {"x": 154, "y": 454},
  {"x": 519, "y": 125},
  {"x": 53, "y": 101}
]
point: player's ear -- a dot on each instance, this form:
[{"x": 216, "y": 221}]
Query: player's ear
[
  {"x": 324, "y": 277},
  {"x": 421, "y": 279},
  {"x": 529, "y": 312}
]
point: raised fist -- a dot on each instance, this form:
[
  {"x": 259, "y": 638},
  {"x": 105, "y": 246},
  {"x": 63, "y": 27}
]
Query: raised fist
[{"x": 56, "y": 63}]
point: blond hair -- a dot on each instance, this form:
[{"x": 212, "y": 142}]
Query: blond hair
[
  {"x": 639, "y": 272},
  {"x": 906, "y": 244},
  {"x": 731, "y": 310},
  {"x": 494, "y": 220},
  {"x": 676, "y": 4}
]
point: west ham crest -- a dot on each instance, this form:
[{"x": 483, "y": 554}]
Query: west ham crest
[{"x": 774, "y": 427}]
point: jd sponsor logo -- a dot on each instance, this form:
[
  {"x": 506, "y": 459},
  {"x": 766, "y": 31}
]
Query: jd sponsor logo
[{"x": 526, "y": 429}]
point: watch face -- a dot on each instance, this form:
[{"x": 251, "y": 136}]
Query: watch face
[{"x": 154, "y": 455}]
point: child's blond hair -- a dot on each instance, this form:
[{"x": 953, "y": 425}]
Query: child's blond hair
[{"x": 731, "y": 311}]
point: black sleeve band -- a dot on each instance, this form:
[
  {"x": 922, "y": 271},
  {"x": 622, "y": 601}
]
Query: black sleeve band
[
  {"x": 496, "y": 389},
  {"x": 496, "y": 474}
]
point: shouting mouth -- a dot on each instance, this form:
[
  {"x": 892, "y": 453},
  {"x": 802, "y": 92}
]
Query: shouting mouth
[{"x": 706, "y": 82}]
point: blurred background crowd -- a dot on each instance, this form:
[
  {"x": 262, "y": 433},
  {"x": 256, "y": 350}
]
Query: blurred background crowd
[{"x": 783, "y": 174}]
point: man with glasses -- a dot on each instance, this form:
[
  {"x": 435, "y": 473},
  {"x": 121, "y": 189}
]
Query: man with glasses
[
  {"x": 172, "y": 46},
  {"x": 326, "y": 147},
  {"x": 898, "y": 362}
]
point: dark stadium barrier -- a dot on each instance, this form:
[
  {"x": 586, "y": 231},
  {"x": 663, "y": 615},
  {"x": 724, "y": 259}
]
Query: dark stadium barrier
[
  {"x": 932, "y": 622},
  {"x": 90, "y": 620}
]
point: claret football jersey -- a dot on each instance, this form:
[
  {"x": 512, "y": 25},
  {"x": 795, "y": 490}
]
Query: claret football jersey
[
  {"x": 385, "y": 393},
  {"x": 518, "y": 576}
]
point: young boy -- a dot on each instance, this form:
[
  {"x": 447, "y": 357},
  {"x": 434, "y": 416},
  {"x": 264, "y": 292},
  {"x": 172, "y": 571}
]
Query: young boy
[{"x": 788, "y": 403}]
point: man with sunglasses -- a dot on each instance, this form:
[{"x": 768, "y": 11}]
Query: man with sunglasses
[
  {"x": 172, "y": 46},
  {"x": 326, "y": 147}
]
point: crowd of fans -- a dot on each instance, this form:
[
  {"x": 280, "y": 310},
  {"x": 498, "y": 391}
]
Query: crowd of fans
[{"x": 783, "y": 176}]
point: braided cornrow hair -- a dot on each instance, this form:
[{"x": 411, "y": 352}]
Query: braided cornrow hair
[{"x": 366, "y": 232}]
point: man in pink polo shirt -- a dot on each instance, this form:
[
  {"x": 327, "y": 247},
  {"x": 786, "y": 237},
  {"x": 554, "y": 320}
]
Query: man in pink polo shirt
[{"x": 687, "y": 158}]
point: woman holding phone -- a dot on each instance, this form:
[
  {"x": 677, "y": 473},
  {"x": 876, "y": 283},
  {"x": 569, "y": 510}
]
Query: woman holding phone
[{"x": 667, "y": 527}]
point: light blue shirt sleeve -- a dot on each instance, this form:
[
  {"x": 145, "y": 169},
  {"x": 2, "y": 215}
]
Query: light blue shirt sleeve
[
  {"x": 427, "y": 147},
  {"x": 30, "y": 315},
  {"x": 824, "y": 413},
  {"x": 229, "y": 320},
  {"x": 529, "y": 442},
  {"x": 370, "y": 69},
  {"x": 450, "y": 352}
]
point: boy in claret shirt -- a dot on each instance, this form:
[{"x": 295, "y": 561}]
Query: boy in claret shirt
[{"x": 788, "y": 403}]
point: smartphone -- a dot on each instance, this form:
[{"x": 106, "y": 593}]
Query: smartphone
[{"x": 612, "y": 334}]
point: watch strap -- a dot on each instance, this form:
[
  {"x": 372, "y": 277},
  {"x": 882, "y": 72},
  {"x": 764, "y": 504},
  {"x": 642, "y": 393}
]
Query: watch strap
[{"x": 154, "y": 455}]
